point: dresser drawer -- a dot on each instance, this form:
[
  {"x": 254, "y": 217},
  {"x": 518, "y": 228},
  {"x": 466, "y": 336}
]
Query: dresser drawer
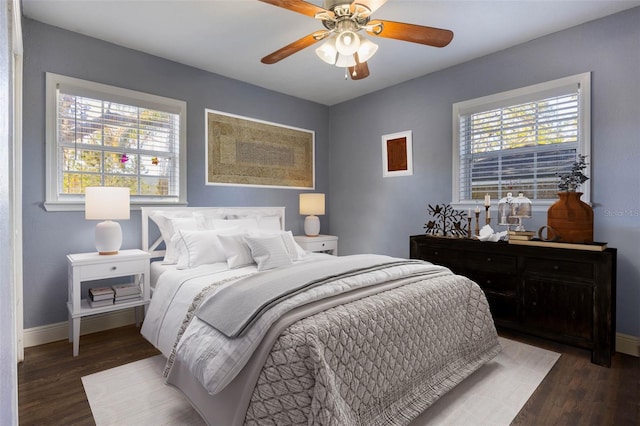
[
  {"x": 438, "y": 255},
  {"x": 495, "y": 282},
  {"x": 559, "y": 268},
  {"x": 108, "y": 269},
  {"x": 490, "y": 262}
]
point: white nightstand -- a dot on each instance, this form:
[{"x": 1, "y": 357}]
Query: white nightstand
[
  {"x": 319, "y": 244},
  {"x": 92, "y": 266}
]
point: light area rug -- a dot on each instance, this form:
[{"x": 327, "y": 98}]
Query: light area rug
[{"x": 135, "y": 394}]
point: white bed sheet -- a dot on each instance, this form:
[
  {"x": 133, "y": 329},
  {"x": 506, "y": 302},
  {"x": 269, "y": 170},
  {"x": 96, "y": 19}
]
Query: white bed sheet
[
  {"x": 157, "y": 269},
  {"x": 176, "y": 289},
  {"x": 174, "y": 292}
]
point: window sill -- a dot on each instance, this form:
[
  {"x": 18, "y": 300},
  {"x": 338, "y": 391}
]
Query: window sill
[
  {"x": 73, "y": 206},
  {"x": 536, "y": 207}
]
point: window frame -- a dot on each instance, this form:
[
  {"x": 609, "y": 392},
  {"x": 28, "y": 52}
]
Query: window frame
[
  {"x": 75, "y": 202},
  {"x": 514, "y": 97}
]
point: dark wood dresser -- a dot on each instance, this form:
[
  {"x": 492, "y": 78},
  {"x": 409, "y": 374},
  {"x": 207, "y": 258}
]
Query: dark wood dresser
[{"x": 560, "y": 294}]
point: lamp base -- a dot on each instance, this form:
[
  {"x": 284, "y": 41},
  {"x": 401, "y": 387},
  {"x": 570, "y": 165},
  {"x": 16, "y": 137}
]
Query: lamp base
[
  {"x": 312, "y": 226},
  {"x": 108, "y": 237}
]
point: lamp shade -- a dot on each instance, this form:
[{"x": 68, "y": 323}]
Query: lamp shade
[
  {"x": 312, "y": 204},
  {"x": 106, "y": 203},
  {"x": 327, "y": 51},
  {"x": 366, "y": 50},
  {"x": 345, "y": 61},
  {"x": 347, "y": 42}
]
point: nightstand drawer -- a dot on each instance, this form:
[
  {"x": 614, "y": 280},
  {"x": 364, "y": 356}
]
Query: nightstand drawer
[
  {"x": 321, "y": 245},
  {"x": 112, "y": 269}
]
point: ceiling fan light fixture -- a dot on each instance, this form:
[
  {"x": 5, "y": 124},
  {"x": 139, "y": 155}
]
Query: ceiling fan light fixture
[
  {"x": 367, "y": 49},
  {"x": 347, "y": 42},
  {"x": 345, "y": 61},
  {"x": 327, "y": 51}
]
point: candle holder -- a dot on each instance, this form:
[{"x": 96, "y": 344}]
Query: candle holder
[
  {"x": 469, "y": 229},
  {"x": 477, "y": 223},
  {"x": 487, "y": 219}
]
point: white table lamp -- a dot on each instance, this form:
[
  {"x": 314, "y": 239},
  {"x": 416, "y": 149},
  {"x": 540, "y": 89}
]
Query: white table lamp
[
  {"x": 312, "y": 204},
  {"x": 107, "y": 204}
]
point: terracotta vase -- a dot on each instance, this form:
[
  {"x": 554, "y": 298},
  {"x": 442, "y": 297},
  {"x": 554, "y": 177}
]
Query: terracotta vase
[{"x": 571, "y": 218}]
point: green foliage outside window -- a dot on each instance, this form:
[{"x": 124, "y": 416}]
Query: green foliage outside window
[{"x": 104, "y": 143}]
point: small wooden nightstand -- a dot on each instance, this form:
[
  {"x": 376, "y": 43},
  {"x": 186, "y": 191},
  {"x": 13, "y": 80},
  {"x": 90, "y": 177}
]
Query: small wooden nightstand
[
  {"x": 92, "y": 266},
  {"x": 319, "y": 244}
]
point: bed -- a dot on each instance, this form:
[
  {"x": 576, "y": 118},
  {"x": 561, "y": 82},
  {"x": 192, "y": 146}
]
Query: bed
[{"x": 256, "y": 331}]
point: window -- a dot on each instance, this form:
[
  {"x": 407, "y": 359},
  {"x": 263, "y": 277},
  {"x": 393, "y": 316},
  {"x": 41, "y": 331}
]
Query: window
[
  {"x": 99, "y": 135},
  {"x": 519, "y": 141}
]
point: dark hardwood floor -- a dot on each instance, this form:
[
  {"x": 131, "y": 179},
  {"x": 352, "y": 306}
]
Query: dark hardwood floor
[
  {"x": 50, "y": 391},
  {"x": 575, "y": 392}
]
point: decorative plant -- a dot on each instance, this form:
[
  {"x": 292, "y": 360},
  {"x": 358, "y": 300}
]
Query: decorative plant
[
  {"x": 570, "y": 182},
  {"x": 447, "y": 221}
]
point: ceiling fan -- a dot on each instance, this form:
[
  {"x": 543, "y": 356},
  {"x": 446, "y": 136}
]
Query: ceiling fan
[{"x": 344, "y": 47}]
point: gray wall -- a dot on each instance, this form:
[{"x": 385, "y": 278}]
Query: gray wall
[
  {"x": 375, "y": 214},
  {"x": 49, "y": 236}
]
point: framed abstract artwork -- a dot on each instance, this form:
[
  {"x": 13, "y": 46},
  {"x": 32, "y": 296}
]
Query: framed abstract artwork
[
  {"x": 397, "y": 154},
  {"x": 243, "y": 151}
]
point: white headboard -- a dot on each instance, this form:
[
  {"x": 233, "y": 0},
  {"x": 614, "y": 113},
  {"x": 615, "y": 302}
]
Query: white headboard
[{"x": 236, "y": 212}]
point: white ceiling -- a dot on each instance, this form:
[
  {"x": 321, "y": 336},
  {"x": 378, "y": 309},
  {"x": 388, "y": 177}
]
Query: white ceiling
[{"x": 229, "y": 37}]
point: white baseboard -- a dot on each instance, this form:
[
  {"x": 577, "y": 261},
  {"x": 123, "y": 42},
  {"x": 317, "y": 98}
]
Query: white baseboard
[
  {"x": 60, "y": 331},
  {"x": 625, "y": 343}
]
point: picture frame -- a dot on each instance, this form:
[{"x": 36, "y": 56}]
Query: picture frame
[
  {"x": 397, "y": 154},
  {"x": 242, "y": 151}
]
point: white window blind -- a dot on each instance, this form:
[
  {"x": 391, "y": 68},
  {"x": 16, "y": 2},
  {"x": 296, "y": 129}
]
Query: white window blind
[
  {"x": 519, "y": 141},
  {"x": 107, "y": 136}
]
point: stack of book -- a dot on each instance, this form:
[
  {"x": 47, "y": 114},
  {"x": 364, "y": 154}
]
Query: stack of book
[
  {"x": 100, "y": 296},
  {"x": 126, "y": 293},
  {"x": 521, "y": 235}
]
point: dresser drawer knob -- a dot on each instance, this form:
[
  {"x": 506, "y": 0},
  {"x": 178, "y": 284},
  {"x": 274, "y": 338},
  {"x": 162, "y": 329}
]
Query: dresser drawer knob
[
  {"x": 556, "y": 267},
  {"x": 113, "y": 268},
  {"x": 488, "y": 259},
  {"x": 435, "y": 253}
]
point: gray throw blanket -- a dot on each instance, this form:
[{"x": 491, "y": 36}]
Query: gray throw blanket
[{"x": 235, "y": 308}]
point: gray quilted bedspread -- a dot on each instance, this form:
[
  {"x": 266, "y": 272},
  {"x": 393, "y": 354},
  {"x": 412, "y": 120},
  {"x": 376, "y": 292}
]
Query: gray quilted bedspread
[{"x": 380, "y": 360}]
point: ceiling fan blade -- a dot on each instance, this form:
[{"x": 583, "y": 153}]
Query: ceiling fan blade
[
  {"x": 372, "y": 5},
  {"x": 298, "y": 6},
  {"x": 294, "y": 47},
  {"x": 409, "y": 32},
  {"x": 360, "y": 71}
]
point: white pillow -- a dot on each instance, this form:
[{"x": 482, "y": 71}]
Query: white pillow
[
  {"x": 204, "y": 218},
  {"x": 236, "y": 249},
  {"x": 269, "y": 223},
  {"x": 244, "y": 224},
  {"x": 269, "y": 252},
  {"x": 168, "y": 224},
  {"x": 293, "y": 248},
  {"x": 199, "y": 247},
  {"x": 295, "y": 251}
]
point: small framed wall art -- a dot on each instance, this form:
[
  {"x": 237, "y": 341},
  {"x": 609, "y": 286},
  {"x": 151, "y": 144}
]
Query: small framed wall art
[{"x": 397, "y": 154}]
